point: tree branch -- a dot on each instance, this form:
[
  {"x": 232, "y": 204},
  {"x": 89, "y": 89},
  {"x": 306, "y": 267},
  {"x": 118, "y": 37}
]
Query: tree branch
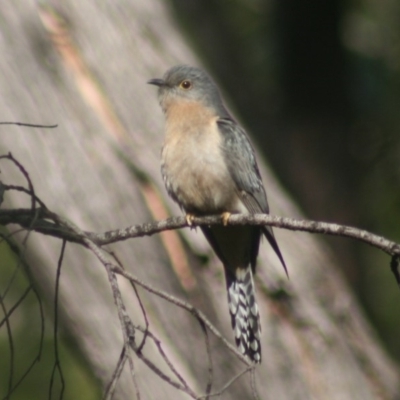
[
  {"x": 40, "y": 219},
  {"x": 46, "y": 222}
]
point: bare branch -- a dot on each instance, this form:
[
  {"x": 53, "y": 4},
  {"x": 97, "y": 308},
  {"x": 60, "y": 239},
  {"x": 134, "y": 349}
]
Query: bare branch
[
  {"x": 209, "y": 358},
  {"x": 181, "y": 386},
  {"x": 57, "y": 363},
  {"x": 30, "y": 125},
  {"x": 21, "y": 261},
  {"x": 40, "y": 219},
  {"x": 24, "y": 172},
  {"x": 141, "y": 305},
  {"x": 186, "y": 306},
  {"x": 128, "y": 329},
  {"x": 110, "y": 389},
  {"x": 11, "y": 344},
  {"x": 43, "y": 224},
  {"x": 226, "y": 386}
]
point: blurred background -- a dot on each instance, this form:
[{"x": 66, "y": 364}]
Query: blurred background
[{"x": 318, "y": 85}]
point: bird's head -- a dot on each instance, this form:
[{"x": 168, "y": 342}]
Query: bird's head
[{"x": 186, "y": 83}]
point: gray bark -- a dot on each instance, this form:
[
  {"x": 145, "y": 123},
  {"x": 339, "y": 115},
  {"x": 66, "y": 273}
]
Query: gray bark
[{"x": 317, "y": 345}]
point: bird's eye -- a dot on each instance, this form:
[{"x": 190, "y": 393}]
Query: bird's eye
[{"x": 186, "y": 85}]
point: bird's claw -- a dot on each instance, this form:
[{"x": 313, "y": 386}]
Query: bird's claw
[
  {"x": 225, "y": 217},
  {"x": 189, "y": 219}
]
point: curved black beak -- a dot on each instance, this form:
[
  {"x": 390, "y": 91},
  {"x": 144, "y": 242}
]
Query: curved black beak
[{"x": 157, "y": 82}]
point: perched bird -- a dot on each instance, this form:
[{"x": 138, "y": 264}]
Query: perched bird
[{"x": 209, "y": 167}]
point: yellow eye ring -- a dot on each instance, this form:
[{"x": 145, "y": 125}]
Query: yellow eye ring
[{"x": 186, "y": 84}]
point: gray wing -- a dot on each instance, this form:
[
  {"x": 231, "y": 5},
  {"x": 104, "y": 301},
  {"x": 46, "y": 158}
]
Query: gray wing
[{"x": 242, "y": 165}]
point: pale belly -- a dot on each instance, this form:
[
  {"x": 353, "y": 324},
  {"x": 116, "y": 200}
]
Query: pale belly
[{"x": 198, "y": 179}]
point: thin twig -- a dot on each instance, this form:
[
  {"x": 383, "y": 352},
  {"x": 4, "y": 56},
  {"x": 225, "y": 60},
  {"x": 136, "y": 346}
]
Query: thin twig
[
  {"x": 109, "y": 392},
  {"x": 11, "y": 280},
  {"x": 226, "y": 386},
  {"x": 209, "y": 358},
  {"x": 253, "y": 384},
  {"x": 57, "y": 364},
  {"x": 141, "y": 305},
  {"x": 16, "y": 305},
  {"x": 24, "y": 172},
  {"x": 22, "y": 189},
  {"x": 130, "y": 361},
  {"x": 186, "y": 306},
  {"x": 15, "y": 249},
  {"x": 183, "y": 386},
  {"x": 80, "y": 236},
  {"x": 29, "y": 125},
  {"x": 11, "y": 344},
  {"x": 126, "y": 324}
]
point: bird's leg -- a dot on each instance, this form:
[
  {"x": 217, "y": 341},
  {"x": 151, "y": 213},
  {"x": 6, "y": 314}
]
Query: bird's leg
[
  {"x": 225, "y": 217},
  {"x": 189, "y": 218}
]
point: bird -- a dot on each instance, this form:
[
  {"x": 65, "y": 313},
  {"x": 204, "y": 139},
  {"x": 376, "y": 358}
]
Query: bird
[{"x": 209, "y": 167}]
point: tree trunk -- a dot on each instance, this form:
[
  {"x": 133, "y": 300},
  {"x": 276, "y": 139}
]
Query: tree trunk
[{"x": 100, "y": 169}]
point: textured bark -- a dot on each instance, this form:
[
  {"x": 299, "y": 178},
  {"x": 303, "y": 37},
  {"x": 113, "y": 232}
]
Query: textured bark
[{"x": 100, "y": 169}]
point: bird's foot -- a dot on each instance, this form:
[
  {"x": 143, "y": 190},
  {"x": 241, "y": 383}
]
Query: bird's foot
[
  {"x": 225, "y": 217},
  {"x": 189, "y": 219}
]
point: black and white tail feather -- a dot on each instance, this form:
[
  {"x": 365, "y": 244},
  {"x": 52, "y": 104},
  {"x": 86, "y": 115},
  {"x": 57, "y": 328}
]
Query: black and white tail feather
[{"x": 244, "y": 312}]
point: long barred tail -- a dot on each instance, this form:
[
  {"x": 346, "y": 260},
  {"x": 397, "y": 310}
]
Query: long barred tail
[{"x": 244, "y": 312}]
